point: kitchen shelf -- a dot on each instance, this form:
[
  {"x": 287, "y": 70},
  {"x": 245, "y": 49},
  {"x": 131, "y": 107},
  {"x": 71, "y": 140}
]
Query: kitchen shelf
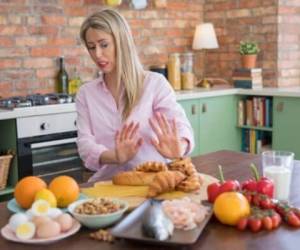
[{"x": 257, "y": 128}]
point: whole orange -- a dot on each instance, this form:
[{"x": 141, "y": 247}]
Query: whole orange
[
  {"x": 65, "y": 189},
  {"x": 26, "y": 190},
  {"x": 230, "y": 207}
]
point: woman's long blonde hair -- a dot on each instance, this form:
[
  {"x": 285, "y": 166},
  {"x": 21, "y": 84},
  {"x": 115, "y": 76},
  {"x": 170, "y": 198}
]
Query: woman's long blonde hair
[{"x": 129, "y": 69}]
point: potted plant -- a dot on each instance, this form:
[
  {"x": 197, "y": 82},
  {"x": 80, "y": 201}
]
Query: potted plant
[{"x": 249, "y": 51}]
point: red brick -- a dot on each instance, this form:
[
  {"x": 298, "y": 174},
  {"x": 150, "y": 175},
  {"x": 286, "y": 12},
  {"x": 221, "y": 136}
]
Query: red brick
[
  {"x": 46, "y": 73},
  {"x": 43, "y": 30},
  {"x": 61, "y": 41},
  {"x": 15, "y": 74},
  {"x": 246, "y": 4},
  {"x": 30, "y": 41},
  {"x": 5, "y": 89},
  {"x": 72, "y": 2},
  {"x": 9, "y": 63},
  {"x": 6, "y": 42},
  {"x": 79, "y": 51},
  {"x": 11, "y": 30},
  {"x": 38, "y": 63},
  {"x": 76, "y": 11},
  {"x": 45, "y": 52},
  {"x": 13, "y": 52},
  {"x": 53, "y": 20}
]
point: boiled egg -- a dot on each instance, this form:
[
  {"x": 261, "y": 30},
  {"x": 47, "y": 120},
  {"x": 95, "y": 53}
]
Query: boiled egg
[
  {"x": 17, "y": 219},
  {"x": 37, "y": 220},
  {"x": 54, "y": 213},
  {"x": 40, "y": 208},
  {"x": 65, "y": 221},
  {"x": 25, "y": 231},
  {"x": 48, "y": 229}
]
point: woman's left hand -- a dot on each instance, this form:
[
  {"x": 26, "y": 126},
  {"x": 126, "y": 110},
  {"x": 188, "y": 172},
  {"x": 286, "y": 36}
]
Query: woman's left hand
[{"x": 168, "y": 142}]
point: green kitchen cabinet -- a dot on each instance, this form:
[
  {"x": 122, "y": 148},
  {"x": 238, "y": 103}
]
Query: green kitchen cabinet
[
  {"x": 218, "y": 129},
  {"x": 286, "y": 125},
  {"x": 191, "y": 108},
  {"x": 214, "y": 123}
]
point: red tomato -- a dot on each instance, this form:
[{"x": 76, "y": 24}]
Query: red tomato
[
  {"x": 255, "y": 224},
  {"x": 276, "y": 220},
  {"x": 242, "y": 224},
  {"x": 267, "y": 223},
  {"x": 292, "y": 219}
]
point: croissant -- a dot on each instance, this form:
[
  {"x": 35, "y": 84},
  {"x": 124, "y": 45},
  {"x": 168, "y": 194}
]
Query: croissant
[
  {"x": 151, "y": 166},
  {"x": 165, "y": 181},
  {"x": 133, "y": 178},
  {"x": 190, "y": 184},
  {"x": 184, "y": 165}
]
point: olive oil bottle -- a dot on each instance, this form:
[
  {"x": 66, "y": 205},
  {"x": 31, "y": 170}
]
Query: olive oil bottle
[
  {"x": 74, "y": 83},
  {"x": 62, "y": 78}
]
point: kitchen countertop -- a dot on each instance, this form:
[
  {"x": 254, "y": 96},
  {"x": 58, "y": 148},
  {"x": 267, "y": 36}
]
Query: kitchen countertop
[
  {"x": 180, "y": 95},
  {"x": 215, "y": 235}
]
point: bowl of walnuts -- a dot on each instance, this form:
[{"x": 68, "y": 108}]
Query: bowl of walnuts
[{"x": 99, "y": 212}]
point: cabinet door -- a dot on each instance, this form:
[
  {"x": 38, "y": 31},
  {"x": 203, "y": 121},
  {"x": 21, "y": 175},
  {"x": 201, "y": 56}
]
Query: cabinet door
[
  {"x": 286, "y": 124},
  {"x": 218, "y": 130},
  {"x": 191, "y": 108}
]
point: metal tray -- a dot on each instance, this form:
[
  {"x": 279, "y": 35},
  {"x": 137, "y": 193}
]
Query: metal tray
[{"x": 130, "y": 228}]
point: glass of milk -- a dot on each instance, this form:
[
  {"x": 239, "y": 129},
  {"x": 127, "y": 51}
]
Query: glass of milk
[{"x": 278, "y": 166}]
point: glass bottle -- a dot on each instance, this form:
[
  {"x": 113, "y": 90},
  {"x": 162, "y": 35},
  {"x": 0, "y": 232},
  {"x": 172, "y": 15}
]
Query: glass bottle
[
  {"x": 174, "y": 70},
  {"x": 74, "y": 83},
  {"x": 62, "y": 77},
  {"x": 187, "y": 74}
]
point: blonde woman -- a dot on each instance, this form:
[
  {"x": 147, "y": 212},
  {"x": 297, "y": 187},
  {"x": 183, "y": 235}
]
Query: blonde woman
[{"x": 128, "y": 115}]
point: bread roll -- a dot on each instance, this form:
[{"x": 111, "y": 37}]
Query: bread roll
[
  {"x": 133, "y": 178},
  {"x": 165, "y": 181}
]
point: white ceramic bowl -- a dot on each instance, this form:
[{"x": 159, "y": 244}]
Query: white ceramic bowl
[{"x": 99, "y": 220}]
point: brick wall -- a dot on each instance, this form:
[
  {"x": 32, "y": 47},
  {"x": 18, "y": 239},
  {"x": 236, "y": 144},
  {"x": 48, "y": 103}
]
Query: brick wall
[
  {"x": 34, "y": 33},
  {"x": 237, "y": 20},
  {"x": 289, "y": 43}
]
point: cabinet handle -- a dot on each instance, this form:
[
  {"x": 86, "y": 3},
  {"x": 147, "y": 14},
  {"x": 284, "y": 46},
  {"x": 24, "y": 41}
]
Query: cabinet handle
[
  {"x": 280, "y": 107},
  {"x": 204, "y": 108},
  {"x": 193, "y": 109}
]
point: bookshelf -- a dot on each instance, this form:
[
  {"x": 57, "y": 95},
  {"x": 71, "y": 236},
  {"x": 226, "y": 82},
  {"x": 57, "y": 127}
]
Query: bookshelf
[{"x": 255, "y": 121}]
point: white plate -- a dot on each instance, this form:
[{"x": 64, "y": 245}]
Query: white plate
[{"x": 8, "y": 234}]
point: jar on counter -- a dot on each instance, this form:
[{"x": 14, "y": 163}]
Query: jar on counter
[
  {"x": 174, "y": 71},
  {"x": 187, "y": 74}
]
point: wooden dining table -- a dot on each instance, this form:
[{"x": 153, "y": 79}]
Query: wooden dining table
[{"x": 214, "y": 236}]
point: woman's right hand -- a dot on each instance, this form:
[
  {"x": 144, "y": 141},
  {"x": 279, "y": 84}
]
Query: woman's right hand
[{"x": 127, "y": 142}]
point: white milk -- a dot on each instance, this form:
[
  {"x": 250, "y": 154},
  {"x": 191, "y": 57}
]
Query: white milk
[{"x": 282, "y": 180}]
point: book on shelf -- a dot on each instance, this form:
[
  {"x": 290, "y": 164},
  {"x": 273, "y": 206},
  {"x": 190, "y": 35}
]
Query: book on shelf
[
  {"x": 254, "y": 141},
  {"x": 241, "y": 113},
  {"x": 255, "y": 111}
]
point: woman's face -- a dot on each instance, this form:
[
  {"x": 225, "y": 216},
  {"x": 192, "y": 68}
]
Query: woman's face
[{"x": 101, "y": 47}]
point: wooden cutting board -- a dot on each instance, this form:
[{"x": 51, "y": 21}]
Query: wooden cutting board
[{"x": 135, "y": 195}]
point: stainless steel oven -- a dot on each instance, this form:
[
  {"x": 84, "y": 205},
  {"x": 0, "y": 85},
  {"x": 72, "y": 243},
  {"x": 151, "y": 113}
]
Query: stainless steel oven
[{"x": 47, "y": 146}]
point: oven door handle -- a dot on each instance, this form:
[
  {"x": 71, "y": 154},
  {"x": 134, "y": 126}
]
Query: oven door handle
[{"x": 53, "y": 143}]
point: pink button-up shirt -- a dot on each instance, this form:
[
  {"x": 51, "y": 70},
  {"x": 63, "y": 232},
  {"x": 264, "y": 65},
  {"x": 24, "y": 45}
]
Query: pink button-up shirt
[{"x": 98, "y": 120}]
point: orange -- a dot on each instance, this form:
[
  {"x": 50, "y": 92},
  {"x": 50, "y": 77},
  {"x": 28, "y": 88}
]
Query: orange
[
  {"x": 65, "y": 189},
  {"x": 26, "y": 190},
  {"x": 230, "y": 207}
]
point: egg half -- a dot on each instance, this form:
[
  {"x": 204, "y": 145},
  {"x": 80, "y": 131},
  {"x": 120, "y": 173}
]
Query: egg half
[
  {"x": 40, "y": 208},
  {"x": 25, "y": 231}
]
